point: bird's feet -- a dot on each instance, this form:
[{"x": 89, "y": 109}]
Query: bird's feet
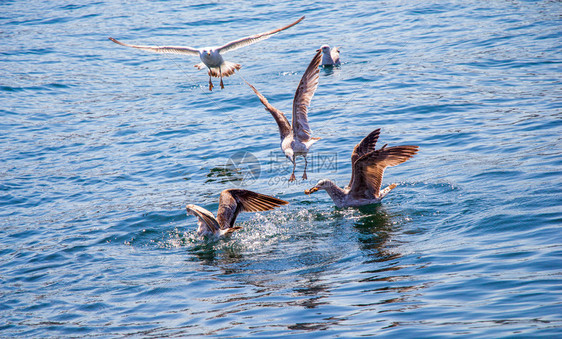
[
  {"x": 222, "y": 85},
  {"x": 292, "y": 178},
  {"x": 304, "y": 177},
  {"x": 210, "y": 85}
]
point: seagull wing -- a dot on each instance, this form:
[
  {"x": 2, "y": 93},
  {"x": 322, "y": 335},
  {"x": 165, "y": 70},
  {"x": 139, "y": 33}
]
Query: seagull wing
[
  {"x": 303, "y": 96},
  {"x": 162, "y": 49},
  {"x": 363, "y": 147},
  {"x": 234, "y": 201},
  {"x": 232, "y": 45},
  {"x": 280, "y": 118},
  {"x": 206, "y": 218},
  {"x": 366, "y": 145},
  {"x": 335, "y": 54},
  {"x": 369, "y": 169}
]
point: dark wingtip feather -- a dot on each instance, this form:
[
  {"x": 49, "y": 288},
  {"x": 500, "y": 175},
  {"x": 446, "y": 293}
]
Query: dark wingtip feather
[{"x": 255, "y": 202}]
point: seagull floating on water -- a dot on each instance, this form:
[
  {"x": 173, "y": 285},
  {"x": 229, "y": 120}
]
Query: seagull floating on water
[
  {"x": 211, "y": 56},
  {"x": 330, "y": 57},
  {"x": 368, "y": 167},
  {"x": 295, "y": 138},
  {"x": 231, "y": 203}
]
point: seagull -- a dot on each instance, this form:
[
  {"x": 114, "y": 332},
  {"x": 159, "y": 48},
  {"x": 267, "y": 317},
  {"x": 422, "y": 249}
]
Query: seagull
[
  {"x": 330, "y": 57},
  {"x": 231, "y": 202},
  {"x": 368, "y": 166},
  {"x": 295, "y": 138},
  {"x": 211, "y": 56}
]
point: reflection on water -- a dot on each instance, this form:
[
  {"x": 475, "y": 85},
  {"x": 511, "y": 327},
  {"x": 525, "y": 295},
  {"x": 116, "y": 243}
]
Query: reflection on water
[
  {"x": 218, "y": 253},
  {"x": 224, "y": 174},
  {"x": 295, "y": 260},
  {"x": 313, "y": 289},
  {"x": 374, "y": 230},
  {"x": 305, "y": 270},
  {"x": 241, "y": 167}
]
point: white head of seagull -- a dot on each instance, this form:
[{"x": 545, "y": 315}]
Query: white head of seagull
[
  {"x": 368, "y": 167},
  {"x": 211, "y": 56},
  {"x": 296, "y": 138}
]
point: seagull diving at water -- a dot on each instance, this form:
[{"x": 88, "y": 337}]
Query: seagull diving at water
[
  {"x": 330, "y": 57},
  {"x": 231, "y": 203},
  {"x": 211, "y": 56},
  {"x": 368, "y": 167},
  {"x": 295, "y": 138}
]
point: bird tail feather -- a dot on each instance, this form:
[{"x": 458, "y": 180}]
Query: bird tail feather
[
  {"x": 230, "y": 230},
  {"x": 311, "y": 141},
  {"x": 387, "y": 190},
  {"x": 227, "y": 69}
]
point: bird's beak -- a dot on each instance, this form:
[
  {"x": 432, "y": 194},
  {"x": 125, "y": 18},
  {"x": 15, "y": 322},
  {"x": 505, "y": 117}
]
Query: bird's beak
[
  {"x": 312, "y": 190},
  {"x": 208, "y": 53}
]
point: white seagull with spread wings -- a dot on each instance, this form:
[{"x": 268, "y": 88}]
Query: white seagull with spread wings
[
  {"x": 211, "y": 56},
  {"x": 295, "y": 138},
  {"x": 231, "y": 203},
  {"x": 367, "y": 169}
]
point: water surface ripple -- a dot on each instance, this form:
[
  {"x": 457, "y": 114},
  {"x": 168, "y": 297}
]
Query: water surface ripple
[{"x": 102, "y": 147}]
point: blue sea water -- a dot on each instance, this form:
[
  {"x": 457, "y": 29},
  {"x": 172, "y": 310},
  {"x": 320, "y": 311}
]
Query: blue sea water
[{"x": 102, "y": 146}]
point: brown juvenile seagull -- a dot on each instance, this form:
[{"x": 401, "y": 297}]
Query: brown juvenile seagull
[
  {"x": 211, "y": 56},
  {"x": 231, "y": 202},
  {"x": 296, "y": 139},
  {"x": 368, "y": 167}
]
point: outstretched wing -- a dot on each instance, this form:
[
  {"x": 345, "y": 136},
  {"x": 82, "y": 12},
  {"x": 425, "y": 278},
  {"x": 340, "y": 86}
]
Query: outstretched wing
[
  {"x": 366, "y": 145},
  {"x": 368, "y": 170},
  {"x": 303, "y": 96},
  {"x": 234, "y": 201},
  {"x": 280, "y": 118},
  {"x": 207, "y": 221},
  {"x": 161, "y": 49},
  {"x": 232, "y": 45},
  {"x": 363, "y": 147}
]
